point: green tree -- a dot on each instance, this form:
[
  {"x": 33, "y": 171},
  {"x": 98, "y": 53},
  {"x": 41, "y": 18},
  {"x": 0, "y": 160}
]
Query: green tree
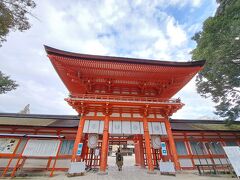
[
  {"x": 218, "y": 43},
  {"x": 13, "y": 16},
  {"x": 6, "y": 84}
]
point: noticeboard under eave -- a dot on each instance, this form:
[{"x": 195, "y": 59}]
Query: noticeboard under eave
[{"x": 41, "y": 148}]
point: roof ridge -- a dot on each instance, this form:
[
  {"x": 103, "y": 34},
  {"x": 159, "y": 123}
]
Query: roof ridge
[{"x": 54, "y": 51}]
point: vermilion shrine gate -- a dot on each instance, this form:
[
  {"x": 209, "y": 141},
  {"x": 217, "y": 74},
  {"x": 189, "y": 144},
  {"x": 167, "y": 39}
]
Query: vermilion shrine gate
[{"x": 123, "y": 99}]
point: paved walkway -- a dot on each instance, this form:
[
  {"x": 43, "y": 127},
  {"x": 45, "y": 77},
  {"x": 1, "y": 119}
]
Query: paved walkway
[{"x": 130, "y": 172}]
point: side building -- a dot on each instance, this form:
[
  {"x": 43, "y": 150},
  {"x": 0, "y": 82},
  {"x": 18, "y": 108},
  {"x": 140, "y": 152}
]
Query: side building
[{"x": 196, "y": 141}]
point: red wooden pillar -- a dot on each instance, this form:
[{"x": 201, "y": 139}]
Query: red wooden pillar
[
  {"x": 107, "y": 148},
  {"x": 137, "y": 154},
  {"x": 78, "y": 137},
  {"x": 147, "y": 145},
  {"x": 172, "y": 144},
  {"x": 141, "y": 151},
  {"x": 104, "y": 151},
  {"x": 55, "y": 161}
]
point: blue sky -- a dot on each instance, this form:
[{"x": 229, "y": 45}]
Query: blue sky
[{"x": 158, "y": 29}]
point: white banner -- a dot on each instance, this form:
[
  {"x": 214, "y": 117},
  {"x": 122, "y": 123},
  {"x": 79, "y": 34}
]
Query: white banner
[
  {"x": 41, "y": 148},
  {"x": 115, "y": 127},
  {"x": 8, "y": 145},
  {"x": 157, "y": 128}
]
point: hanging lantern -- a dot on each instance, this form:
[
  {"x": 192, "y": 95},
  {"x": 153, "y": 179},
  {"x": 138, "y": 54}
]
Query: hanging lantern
[
  {"x": 92, "y": 140},
  {"x": 156, "y": 142}
]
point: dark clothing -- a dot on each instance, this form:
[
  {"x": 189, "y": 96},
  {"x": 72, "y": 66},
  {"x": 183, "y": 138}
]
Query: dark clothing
[{"x": 119, "y": 160}]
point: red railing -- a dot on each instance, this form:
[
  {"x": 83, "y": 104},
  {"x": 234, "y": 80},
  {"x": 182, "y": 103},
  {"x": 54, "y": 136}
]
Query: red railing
[{"x": 113, "y": 98}]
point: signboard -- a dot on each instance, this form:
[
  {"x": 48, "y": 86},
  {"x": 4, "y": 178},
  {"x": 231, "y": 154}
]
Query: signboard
[
  {"x": 77, "y": 167},
  {"x": 156, "y": 142},
  {"x": 233, "y": 154},
  {"x": 164, "y": 149},
  {"x": 79, "y": 150},
  {"x": 167, "y": 167},
  {"x": 8, "y": 145},
  {"x": 41, "y": 148}
]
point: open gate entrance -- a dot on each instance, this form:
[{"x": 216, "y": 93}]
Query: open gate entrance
[
  {"x": 126, "y": 146},
  {"x": 132, "y": 147},
  {"x": 147, "y": 136}
]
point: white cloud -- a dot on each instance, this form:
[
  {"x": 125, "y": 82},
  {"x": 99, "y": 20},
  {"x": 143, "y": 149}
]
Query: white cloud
[
  {"x": 195, "y": 106},
  {"x": 181, "y": 3},
  {"x": 122, "y": 28},
  {"x": 177, "y": 36},
  {"x": 196, "y": 3}
]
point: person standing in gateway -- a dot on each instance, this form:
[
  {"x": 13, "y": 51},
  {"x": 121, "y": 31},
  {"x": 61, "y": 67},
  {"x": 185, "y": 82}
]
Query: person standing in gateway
[{"x": 119, "y": 159}]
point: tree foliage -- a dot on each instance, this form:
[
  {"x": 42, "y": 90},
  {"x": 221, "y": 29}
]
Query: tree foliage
[
  {"x": 13, "y": 16},
  {"x": 6, "y": 84},
  {"x": 218, "y": 43}
]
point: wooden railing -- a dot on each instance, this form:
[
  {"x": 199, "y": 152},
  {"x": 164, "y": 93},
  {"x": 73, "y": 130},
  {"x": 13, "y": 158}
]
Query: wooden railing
[{"x": 113, "y": 98}]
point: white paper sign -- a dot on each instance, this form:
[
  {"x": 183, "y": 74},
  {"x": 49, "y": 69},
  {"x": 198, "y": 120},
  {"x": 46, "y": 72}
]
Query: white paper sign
[
  {"x": 8, "y": 145},
  {"x": 97, "y": 152},
  {"x": 233, "y": 154},
  {"x": 41, "y": 148}
]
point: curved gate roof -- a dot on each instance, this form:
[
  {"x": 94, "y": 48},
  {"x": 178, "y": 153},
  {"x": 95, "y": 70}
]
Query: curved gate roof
[{"x": 76, "y": 70}]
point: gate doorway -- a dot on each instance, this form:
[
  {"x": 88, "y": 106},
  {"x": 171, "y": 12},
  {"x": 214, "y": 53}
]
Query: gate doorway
[
  {"x": 133, "y": 150},
  {"x": 126, "y": 146}
]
